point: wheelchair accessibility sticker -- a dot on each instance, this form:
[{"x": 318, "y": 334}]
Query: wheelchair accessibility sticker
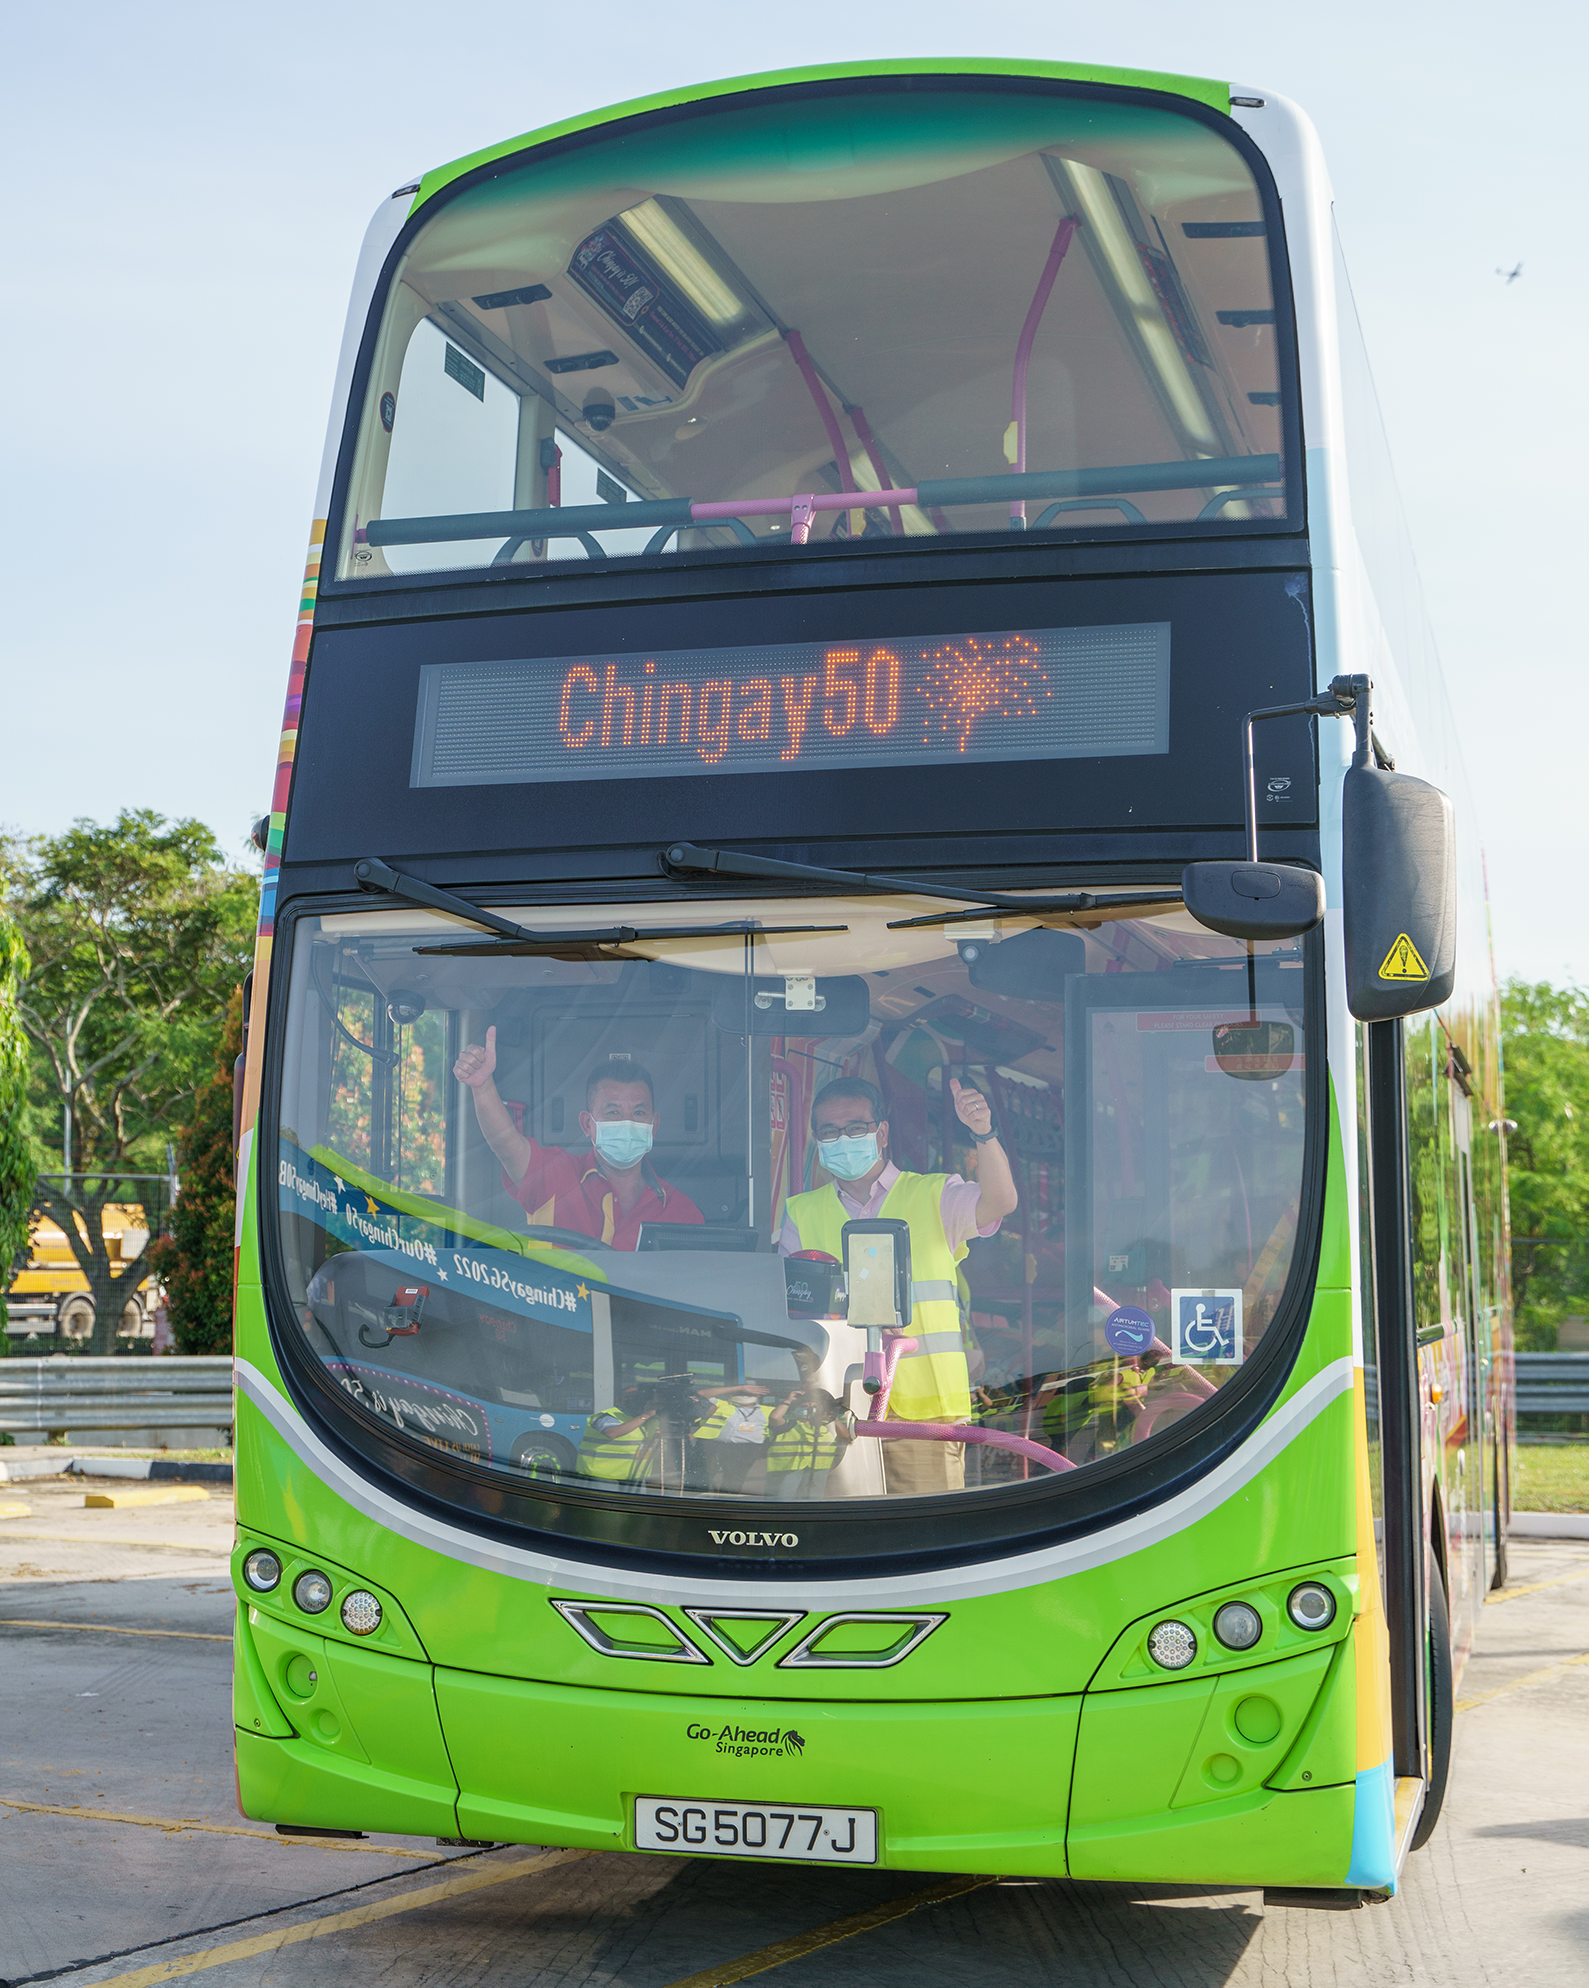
[{"x": 1205, "y": 1328}]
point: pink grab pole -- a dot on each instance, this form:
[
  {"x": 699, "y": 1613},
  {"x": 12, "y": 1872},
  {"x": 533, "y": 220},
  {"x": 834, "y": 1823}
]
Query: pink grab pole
[
  {"x": 824, "y": 407},
  {"x": 874, "y": 456},
  {"x": 1023, "y": 351},
  {"x": 881, "y": 1367},
  {"x": 965, "y": 1432}
]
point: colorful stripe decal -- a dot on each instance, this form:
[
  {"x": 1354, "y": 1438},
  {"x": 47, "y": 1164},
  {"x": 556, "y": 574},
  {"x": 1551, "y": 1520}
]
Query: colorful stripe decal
[
  {"x": 1373, "y": 1864},
  {"x": 1024, "y": 1570}
]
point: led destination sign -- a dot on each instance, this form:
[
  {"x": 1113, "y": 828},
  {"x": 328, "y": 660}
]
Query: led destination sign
[{"x": 1048, "y": 693}]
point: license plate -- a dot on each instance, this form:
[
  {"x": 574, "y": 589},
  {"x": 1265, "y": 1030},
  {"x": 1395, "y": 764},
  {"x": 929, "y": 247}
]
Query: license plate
[{"x": 734, "y": 1829}]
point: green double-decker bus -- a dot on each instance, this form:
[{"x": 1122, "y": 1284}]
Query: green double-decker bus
[{"x": 871, "y": 1221}]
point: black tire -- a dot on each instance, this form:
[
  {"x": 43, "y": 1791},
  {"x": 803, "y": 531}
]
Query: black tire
[
  {"x": 1500, "y": 1530},
  {"x": 1441, "y": 1711}
]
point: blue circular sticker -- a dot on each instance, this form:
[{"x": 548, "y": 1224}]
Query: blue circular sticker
[{"x": 1129, "y": 1330}]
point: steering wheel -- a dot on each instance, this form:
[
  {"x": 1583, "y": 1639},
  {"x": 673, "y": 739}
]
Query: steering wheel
[{"x": 568, "y": 1238}]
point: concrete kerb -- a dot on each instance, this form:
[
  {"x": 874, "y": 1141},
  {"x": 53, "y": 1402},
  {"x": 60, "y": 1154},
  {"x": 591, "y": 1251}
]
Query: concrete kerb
[
  {"x": 1549, "y": 1525},
  {"x": 18, "y": 1465}
]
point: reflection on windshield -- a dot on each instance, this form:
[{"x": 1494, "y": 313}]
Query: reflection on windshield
[{"x": 844, "y": 1212}]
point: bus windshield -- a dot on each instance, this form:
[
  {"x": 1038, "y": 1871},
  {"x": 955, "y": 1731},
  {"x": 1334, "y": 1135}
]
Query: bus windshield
[
  {"x": 923, "y": 311},
  {"x": 835, "y": 1198}
]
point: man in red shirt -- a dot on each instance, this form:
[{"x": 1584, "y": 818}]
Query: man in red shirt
[{"x": 606, "y": 1193}]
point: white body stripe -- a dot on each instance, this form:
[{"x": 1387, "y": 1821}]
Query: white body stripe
[{"x": 993, "y": 1576}]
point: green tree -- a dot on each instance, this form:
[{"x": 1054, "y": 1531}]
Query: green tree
[
  {"x": 138, "y": 934},
  {"x": 19, "y": 1161},
  {"x": 1546, "y": 1037},
  {"x": 194, "y": 1261}
]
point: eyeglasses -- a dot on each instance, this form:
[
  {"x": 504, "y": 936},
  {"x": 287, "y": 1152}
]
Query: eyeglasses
[{"x": 856, "y": 1129}]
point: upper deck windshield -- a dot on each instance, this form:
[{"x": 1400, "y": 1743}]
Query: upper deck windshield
[
  {"x": 823, "y": 316},
  {"x": 582, "y": 1214}
]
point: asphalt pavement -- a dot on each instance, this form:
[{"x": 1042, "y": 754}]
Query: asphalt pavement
[{"x": 123, "y": 1859}]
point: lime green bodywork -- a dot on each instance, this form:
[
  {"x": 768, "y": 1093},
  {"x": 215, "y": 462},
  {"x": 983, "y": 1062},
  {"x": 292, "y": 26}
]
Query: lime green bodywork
[
  {"x": 1031, "y": 1733},
  {"x": 1198, "y": 88}
]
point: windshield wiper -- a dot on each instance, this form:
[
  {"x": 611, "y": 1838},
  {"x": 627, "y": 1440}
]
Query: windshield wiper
[
  {"x": 688, "y": 856},
  {"x": 520, "y": 940},
  {"x": 1074, "y": 900},
  {"x": 601, "y": 945}
]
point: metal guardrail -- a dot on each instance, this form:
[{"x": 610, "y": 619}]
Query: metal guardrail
[
  {"x": 73, "y": 1391},
  {"x": 1552, "y": 1383}
]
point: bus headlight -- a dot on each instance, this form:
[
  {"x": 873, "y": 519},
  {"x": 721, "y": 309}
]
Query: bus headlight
[
  {"x": 361, "y": 1613},
  {"x": 1172, "y": 1645},
  {"x": 1238, "y": 1625},
  {"x": 312, "y": 1592},
  {"x": 1311, "y": 1606},
  {"x": 262, "y": 1571}
]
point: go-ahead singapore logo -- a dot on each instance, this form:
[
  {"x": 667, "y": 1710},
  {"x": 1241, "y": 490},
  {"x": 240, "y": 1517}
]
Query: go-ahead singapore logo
[{"x": 745, "y": 1743}]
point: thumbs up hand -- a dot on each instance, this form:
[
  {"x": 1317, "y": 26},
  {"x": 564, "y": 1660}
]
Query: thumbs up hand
[
  {"x": 971, "y": 1107},
  {"x": 475, "y": 1066}
]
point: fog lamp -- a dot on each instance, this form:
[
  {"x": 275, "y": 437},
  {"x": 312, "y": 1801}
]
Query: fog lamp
[
  {"x": 361, "y": 1613},
  {"x": 1311, "y": 1606},
  {"x": 1172, "y": 1645},
  {"x": 1238, "y": 1625},
  {"x": 262, "y": 1571},
  {"x": 312, "y": 1592}
]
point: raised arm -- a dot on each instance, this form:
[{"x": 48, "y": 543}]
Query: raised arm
[
  {"x": 476, "y": 1068},
  {"x": 999, "y": 1196}
]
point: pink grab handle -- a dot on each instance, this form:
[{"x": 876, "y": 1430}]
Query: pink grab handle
[
  {"x": 1144, "y": 1418},
  {"x": 965, "y": 1432}
]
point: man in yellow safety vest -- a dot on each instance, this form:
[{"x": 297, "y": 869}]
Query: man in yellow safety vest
[
  {"x": 806, "y": 1432},
  {"x": 944, "y": 1212},
  {"x": 611, "y": 1443}
]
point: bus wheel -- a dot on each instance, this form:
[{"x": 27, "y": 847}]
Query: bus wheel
[
  {"x": 131, "y": 1319},
  {"x": 543, "y": 1456},
  {"x": 1441, "y": 1712}
]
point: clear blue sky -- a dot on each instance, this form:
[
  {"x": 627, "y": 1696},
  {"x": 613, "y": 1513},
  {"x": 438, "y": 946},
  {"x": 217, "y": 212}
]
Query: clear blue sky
[{"x": 190, "y": 184}]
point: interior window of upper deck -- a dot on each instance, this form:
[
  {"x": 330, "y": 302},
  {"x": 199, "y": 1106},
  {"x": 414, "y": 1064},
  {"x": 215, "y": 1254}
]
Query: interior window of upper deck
[{"x": 837, "y": 297}]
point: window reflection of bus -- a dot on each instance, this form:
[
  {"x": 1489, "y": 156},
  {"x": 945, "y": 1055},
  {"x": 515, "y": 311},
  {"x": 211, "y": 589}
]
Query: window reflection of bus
[{"x": 791, "y": 570}]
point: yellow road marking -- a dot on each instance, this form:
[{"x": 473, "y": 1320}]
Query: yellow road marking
[
  {"x": 113, "y": 1629},
  {"x": 12, "y": 1508},
  {"x": 338, "y": 1922},
  {"x": 174, "y": 1827},
  {"x": 1533, "y": 1587},
  {"x": 147, "y": 1494},
  {"x": 1517, "y": 1683},
  {"x": 783, "y": 1951}
]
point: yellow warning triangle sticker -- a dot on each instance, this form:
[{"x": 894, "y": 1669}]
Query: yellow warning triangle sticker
[{"x": 1403, "y": 962}]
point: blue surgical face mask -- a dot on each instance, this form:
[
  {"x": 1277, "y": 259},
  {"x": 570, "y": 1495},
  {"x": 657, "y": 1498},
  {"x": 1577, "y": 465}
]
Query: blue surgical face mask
[
  {"x": 848, "y": 1159},
  {"x": 621, "y": 1141}
]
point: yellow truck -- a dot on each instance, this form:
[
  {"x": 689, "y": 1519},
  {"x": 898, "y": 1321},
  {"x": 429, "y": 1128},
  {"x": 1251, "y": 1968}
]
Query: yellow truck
[{"x": 50, "y": 1295}]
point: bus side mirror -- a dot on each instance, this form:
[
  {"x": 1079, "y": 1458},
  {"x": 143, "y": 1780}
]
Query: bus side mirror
[
  {"x": 1398, "y": 863},
  {"x": 1253, "y": 900}
]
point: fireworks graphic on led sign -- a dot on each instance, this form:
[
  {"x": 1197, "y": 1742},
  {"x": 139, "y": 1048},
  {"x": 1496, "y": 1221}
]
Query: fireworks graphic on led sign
[{"x": 969, "y": 678}]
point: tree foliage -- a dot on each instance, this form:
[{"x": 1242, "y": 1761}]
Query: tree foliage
[
  {"x": 138, "y": 934},
  {"x": 1546, "y": 1036},
  {"x": 18, "y": 1159},
  {"x": 194, "y": 1261}
]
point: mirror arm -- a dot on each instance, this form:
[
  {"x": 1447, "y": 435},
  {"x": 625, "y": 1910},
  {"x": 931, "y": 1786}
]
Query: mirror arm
[{"x": 1346, "y": 696}]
